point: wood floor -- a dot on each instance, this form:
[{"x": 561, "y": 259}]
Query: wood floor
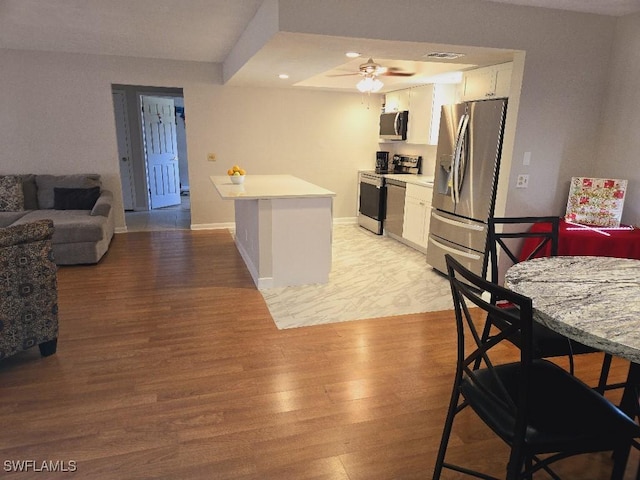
[{"x": 169, "y": 366}]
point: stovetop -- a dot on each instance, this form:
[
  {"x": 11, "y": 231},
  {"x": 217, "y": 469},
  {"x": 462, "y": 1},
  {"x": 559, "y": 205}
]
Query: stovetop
[{"x": 403, "y": 164}]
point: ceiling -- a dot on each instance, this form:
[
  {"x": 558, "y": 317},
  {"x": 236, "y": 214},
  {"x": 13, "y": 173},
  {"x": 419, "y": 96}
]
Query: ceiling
[{"x": 207, "y": 30}]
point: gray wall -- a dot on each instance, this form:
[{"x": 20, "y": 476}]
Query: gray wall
[
  {"x": 57, "y": 113},
  {"x": 619, "y": 150}
]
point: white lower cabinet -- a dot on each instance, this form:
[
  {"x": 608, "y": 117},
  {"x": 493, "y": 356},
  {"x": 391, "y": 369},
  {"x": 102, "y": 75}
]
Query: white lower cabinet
[{"x": 417, "y": 214}]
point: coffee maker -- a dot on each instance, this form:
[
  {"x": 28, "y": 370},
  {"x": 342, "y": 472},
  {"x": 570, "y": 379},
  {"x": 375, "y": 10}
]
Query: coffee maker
[{"x": 382, "y": 162}]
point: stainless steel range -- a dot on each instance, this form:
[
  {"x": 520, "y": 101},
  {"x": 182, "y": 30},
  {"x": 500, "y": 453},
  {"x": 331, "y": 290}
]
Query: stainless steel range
[
  {"x": 373, "y": 196},
  {"x": 373, "y": 191}
]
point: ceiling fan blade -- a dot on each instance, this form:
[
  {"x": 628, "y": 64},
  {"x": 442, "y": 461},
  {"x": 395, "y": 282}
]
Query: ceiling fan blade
[
  {"x": 372, "y": 69},
  {"x": 398, "y": 73},
  {"x": 343, "y": 74}
]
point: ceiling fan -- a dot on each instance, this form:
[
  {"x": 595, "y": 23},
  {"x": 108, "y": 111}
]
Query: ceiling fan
[{"x": 372, "y": 69}]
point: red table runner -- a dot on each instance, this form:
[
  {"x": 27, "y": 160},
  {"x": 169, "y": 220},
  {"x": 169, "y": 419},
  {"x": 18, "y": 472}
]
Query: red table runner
[{"x": 580, "y": 240}]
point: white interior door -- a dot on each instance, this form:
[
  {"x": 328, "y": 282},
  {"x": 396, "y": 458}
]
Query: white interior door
[
  {"x": 124, "y": 149},
  {"x": 161, "y": 151}
]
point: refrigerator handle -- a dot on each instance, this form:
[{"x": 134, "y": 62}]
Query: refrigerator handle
[{"x": 458, "y": 161}]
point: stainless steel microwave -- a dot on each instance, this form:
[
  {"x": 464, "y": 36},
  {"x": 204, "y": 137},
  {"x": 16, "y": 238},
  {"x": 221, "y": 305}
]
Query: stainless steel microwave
[{"x": 393, "y": 125}]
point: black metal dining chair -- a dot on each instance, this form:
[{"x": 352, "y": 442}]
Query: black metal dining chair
[
  {"x": 541, "y": 411},
  {"x": 506, "y": 236}
]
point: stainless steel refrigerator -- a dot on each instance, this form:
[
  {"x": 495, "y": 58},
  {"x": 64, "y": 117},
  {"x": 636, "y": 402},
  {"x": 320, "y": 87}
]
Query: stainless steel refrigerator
[{"x": 465, "y": 182}]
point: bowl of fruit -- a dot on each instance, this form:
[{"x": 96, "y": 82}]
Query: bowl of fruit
[{"x": 236, "y": 174}]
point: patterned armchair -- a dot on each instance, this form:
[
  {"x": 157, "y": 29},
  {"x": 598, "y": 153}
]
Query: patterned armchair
[{"x": 29, "y": 289}]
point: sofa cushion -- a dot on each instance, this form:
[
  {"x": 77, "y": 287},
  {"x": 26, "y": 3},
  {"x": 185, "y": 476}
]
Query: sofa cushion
[
  {"x": 75, "y": 198},
  {"x": 71, "y": 226},
  {"x": 46, "y": 184},
  {"x": 7, "y": 218},
  {"x": 30, "y": 191},
  {"x": 11, "y": 196},
  {"x": 103, "y": 204}
]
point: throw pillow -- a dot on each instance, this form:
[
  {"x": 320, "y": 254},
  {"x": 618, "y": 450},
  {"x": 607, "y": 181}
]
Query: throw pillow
[
  {"x": 75, "y": 198},
  {"x": 46, "y": 184},
  {"x": 11, "y": 195}
]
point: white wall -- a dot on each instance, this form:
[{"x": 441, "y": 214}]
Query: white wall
[
  {"x": 619, "y": 152},
  {"x": 57, "y": 114},
  {"x": 321, "y": 137},
  {"x": 563, "y": 70},
  {"x": 57, "y": 117}
]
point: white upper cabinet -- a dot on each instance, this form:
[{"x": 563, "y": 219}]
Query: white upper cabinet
[
  {"x": 425, "y": 108},
  {"x": 397, "y": 101},
  {"x": 487, "y": 82},
  {"x": 424, "y": 104}
]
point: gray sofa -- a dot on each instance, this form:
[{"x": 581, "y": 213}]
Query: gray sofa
[{"x": 81, "y": 211}]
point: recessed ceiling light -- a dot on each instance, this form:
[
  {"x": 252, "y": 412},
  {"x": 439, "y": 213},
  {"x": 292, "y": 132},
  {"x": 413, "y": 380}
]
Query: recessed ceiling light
[
  {"x": 444, "y": 55},
  {"x": 283, "y": 76},
  {"x": 352, "y": 54}
]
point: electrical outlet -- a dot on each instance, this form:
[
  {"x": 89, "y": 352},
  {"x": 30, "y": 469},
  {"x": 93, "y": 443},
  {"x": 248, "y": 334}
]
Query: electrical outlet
[
  {"x": 523, "y": 181},
  {"x": 211, "y": 157}
]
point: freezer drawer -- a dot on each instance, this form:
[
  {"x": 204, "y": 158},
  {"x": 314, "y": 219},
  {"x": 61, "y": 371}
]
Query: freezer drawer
[
  {"x": 463, "y": 231},
  {"x": 437, "y": 248}
]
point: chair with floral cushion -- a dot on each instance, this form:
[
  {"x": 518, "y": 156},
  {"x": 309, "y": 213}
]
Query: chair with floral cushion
[{"x": 29, "y": 293}]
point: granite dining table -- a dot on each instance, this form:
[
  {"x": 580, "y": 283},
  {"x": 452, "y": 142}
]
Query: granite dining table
[{"x": 593, "y": 300}]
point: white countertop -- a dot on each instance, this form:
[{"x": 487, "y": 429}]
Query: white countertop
[
  {"x": 423, "y": 180},
  {"x": 268, "y": 186}
]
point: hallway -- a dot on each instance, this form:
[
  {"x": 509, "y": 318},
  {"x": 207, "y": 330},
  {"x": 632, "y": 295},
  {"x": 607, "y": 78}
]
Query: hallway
[{"x": 177, "y": 217}]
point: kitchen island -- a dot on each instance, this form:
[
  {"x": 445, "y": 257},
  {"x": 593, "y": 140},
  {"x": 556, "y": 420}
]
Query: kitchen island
[{"x": 283, "y": 228}]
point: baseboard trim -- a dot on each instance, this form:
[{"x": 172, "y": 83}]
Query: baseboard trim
[
  {"x": 345, "y": 221},
  {"x": 232, "y": 225},
  {"x": 213, "y": 226}
]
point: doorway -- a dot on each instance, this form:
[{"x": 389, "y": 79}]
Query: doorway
[{"x": 153, "y": 159}]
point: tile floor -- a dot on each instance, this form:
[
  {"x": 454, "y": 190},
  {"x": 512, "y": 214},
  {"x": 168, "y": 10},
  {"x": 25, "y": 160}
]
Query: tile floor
[
  {"x": 371, "y": 276},
  {"x": 177, "y": 217}
]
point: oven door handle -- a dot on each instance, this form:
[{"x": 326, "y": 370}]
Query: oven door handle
[
  {"x": 371, "y": 181},
  {"x": 373, "y": 184}
]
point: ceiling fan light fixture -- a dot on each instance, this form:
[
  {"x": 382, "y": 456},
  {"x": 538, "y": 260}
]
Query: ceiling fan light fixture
[
  {"x": 369, "y": 85},
  {"x": 353, "y": 54}
]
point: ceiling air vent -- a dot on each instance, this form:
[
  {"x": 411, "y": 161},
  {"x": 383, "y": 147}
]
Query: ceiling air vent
[{"x": 444, "y": 55}]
